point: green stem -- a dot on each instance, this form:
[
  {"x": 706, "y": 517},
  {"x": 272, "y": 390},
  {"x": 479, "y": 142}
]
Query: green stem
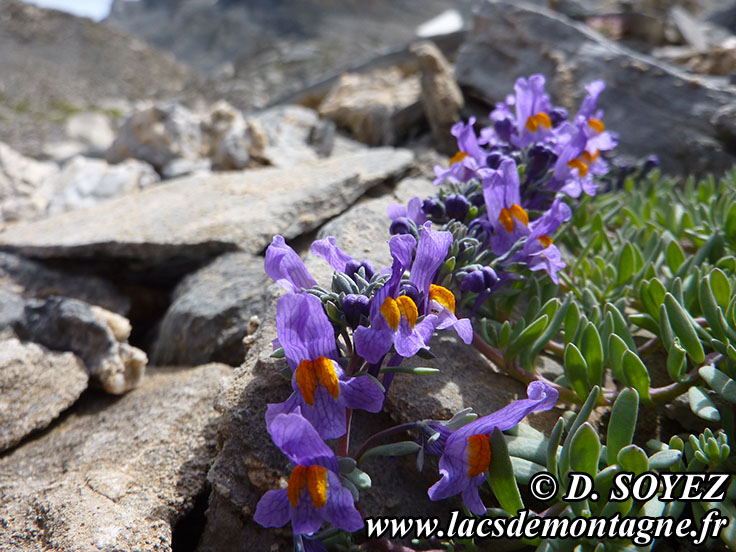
[
  {"x": 525, "y": 376},
  {"x": 380, "y": 435}
]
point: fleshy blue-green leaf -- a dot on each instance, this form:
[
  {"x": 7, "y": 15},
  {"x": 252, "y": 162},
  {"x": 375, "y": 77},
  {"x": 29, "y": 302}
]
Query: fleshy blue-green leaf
[
  {"x": 585, "y": 450},
  {"x": 576, "y": 370},
  {"x": 719, "y": 382},
  {"x": 500, "y": 475},
  {"x": 636, "y": 374},
  {"x": 592, "y": 350},
  {"x": 683, "y": 328},
  {"x": 622, "y": 424},
  {"x": 701, "y": 405},
  {"x": 633, "y": 459}
]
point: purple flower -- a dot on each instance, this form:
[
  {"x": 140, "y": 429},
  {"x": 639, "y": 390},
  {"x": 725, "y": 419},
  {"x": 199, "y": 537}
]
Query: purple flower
[
  {"x": 467, "y": 452},
  {"x": 322, "y": 392},
  {"x": 467, "y": 160},
  {"x": 533, "y": 122},
  {"x": 286, "y": 268},
  {"x": 511, "y": 222},
  {"x": 394, "y": 317},
  {"x": 338, "y": 259},
  {"x": 314, "y": 493},
  {"x": 412, "y": 211}
]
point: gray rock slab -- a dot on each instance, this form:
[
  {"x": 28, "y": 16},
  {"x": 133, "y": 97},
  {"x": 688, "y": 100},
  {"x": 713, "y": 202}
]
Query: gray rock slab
[
  {"x": 210, "y": 312},
  {"x": 32, "y": 279},
  {"x": 36, "y": 385},
  {"x": 116, "y": 473},
  {"x": 98, "y": 336},
  {"x": 654, "y": 107},
  {"x": 200, "y": 216}
]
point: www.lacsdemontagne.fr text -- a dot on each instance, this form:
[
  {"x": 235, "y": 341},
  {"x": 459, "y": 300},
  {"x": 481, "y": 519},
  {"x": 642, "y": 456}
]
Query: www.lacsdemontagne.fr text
[{"x": 640, "y": 530}]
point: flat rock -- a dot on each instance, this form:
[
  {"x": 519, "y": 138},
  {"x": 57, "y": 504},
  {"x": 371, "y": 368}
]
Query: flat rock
[
  {"x": 198, "y": 217},
  {"x": 210, "y": 312},
  {"x": 31, "y": 279},
  {"x": 509, "y": 40},
  {"x": 36, "y": 385},
  {"x": 116, "y": 473}
]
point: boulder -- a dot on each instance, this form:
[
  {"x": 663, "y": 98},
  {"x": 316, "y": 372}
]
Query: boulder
[
  {"x": 31, "y": 279},
  {"x": 84, "y": 182},
  {"x": 184, "y": 222},
  {"x": 158, "y": 134},
  {"x": 26, "y": 186},
  {"x": 116, "y": 473},
  {"x": 513, "y": 40},
  {"x": 442, "y": 99},
  {"x": 97, "y": 336},
  {"x": 36, "y": 385},
  {"x": 210, "y": 312},
  {"x": 376, "y": 108}
]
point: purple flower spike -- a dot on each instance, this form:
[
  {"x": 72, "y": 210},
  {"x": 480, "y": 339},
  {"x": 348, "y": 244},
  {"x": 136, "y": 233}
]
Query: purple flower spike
[
  {"x": 314, "y": 493},
  {"x": 467, "y": 451},
  {"x": 322, "y": 392},
  {"x": 286, "y": 268}
]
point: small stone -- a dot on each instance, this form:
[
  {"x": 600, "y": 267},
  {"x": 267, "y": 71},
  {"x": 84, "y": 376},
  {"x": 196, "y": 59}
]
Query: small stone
[
  {"x": 84, "y": 182},
  {"x": 26, "y": 186},
  {"x": 66, "y": 324}
]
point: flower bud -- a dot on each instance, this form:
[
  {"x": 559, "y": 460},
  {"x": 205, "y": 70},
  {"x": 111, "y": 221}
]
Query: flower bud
[
  {"x": 489, "y": 276},
  {"x": 411, "y": 291},
  {"x": 432, "y": 208},
  {"x": 540, "y": 160},
  {"x": 456, "y": 206},
  {"x": 473, "y": 281},
  {"x": 557, "y": 116},
  {"x": 352, "y": 266},
  {"x": 355, "y": 306},
  {"x": 401, "y": 225},
  {"x": 503, "y": 128}
]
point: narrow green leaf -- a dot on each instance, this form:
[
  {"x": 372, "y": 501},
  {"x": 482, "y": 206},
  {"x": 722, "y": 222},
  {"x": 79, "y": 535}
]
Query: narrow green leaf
[
  {"x": 576, "y": 370},
  {"x": 530, "y": 449},
  {"x": 553, "y": 446},
  {"x": 625, "y": 264},
  {"x": 637, "y": 374},
  {"x": 710, "y": 309},
  {"x": 676, "y": 360},
  {"x": 720, "y": 286},
  {"x": 528, "y": 336},
  {"x": 524, "y": 469},
  {"x": 552, "y": 328},
  {"x": 500, "y": 475},
  {"x": 701, "y": 405},
  {"x": 572, "y": 319},
  {"x": 585, "y": 450},
  {"x": 633, "y": 459},
  {"x": 665, "y": 329},
  {"x": 402, "y": 448},
  {"x": 504, "y": 334},
  {"x": 592, "y": 350},
  {"x": 664, "y": 459},
  {"x": 580, "y": 419},
  {"x": 616, "y": 349},
  {"x": 622, "y": 424},
  {"x": 415, "y": 370},
  {"x": 719, "y": 382},
  {"x": 683, "y": 327},
  {"x": 645, "y": 321},
  {"x": 620, "y": 326},
  {"x": 675, "y": 255}
]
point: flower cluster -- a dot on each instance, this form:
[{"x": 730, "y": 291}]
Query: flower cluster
[
  {"x": 504, "y": 197},
  {"x": 507, "y": 185}
]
